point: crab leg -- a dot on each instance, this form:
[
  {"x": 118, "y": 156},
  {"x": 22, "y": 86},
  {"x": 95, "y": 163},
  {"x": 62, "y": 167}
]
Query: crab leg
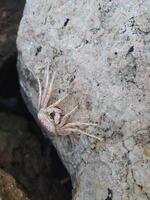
[
  {"x": 66, "y": 117},
  {"x": 84, "y": 133},
  {"x": 40, "y": 93},
  {"x": 47, "y": 89},
  {"x": 74, "y": 124},
  {"x": 57, "y": 102},
  {"x": 46, "y": 78}
]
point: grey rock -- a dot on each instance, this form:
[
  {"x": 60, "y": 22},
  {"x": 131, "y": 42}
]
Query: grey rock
[{"x": 100, "y": 50}]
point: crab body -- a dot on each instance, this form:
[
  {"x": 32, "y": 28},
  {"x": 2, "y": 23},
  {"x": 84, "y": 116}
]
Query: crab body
[
  {"x": 52, "y": 118},
  {"x": 46, "y": 123}
]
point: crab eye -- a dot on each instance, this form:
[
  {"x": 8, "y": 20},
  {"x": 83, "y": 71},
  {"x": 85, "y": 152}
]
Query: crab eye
[{"x": 52, "y": 115}]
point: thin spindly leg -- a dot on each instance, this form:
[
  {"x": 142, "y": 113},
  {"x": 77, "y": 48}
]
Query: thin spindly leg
[
  {"x": 49, "y": 90},
  {"x": 46, "y": 79},
  {"x": 78, "y": 131},
  {"x": 78, "y": 124},
  {"x": 57, "y": 102},
  {"x": 66, "y": 117}
]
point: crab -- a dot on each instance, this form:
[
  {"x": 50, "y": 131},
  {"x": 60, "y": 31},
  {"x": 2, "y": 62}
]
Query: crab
[{"x": 52, "y": 118}]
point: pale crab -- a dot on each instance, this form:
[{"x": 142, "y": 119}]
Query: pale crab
[{"x": 52, "y": 118}]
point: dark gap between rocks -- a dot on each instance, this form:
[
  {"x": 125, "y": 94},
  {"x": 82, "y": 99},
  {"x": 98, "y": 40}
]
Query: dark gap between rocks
[
  {"x": 43, "y": 176},
  {"x": 24, "y": 152}
]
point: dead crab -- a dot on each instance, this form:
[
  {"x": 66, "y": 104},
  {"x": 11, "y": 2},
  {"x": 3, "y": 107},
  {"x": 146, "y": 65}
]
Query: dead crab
[{"x": 51, "y": 117}]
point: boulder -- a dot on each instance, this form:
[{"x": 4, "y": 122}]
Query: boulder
[{"x": 100, "y": 50}]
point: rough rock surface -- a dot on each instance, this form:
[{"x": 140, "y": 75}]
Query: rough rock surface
[
  {"x": 100, "y": 49},
  {"x": 9, "y": 189}
]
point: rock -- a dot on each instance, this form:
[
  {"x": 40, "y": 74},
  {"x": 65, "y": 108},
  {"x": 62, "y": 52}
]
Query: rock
[
  {"x": 29, "y": 160},
  {"x": 100, "y": 50},
  {"x": 9, "y": 189},
  {"x": 10, "y": 15}
]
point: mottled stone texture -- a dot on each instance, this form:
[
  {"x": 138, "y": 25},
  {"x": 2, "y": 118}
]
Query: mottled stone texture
[
  {"x": 100, "y": 49},
  {"x": 9, "y": 189}
]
